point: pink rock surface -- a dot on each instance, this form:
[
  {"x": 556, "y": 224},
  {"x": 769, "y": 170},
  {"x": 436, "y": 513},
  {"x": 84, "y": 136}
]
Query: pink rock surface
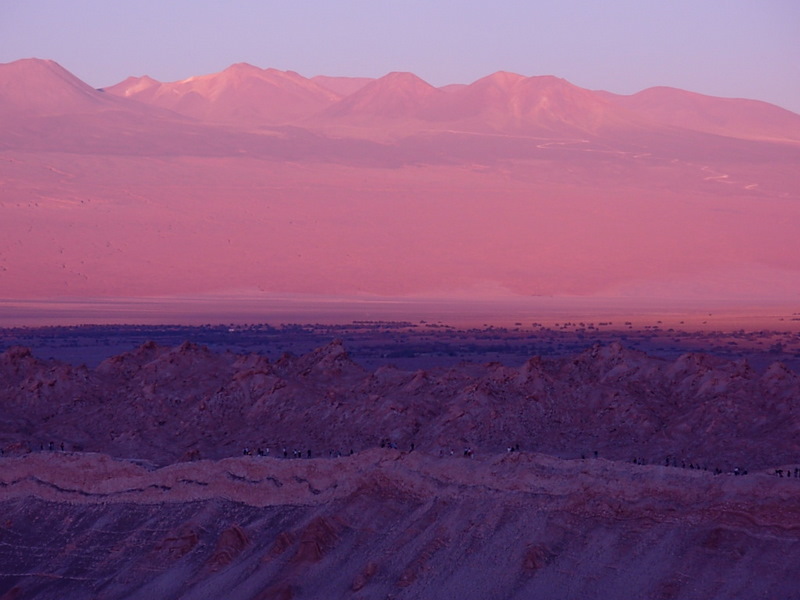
[{"x": 241, "y": 95}]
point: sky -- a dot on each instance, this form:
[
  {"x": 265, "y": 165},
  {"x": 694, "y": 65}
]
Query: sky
[{"x": 732, "y": 48}]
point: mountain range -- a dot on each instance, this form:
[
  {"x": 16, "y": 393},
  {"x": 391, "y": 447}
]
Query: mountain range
[
  {"x": 249, "y": 97},
  {"x": 390, "y": 186}
]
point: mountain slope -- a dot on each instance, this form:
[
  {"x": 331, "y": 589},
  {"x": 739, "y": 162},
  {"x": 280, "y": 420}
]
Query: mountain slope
[
  {"x": 513, "y": 103},
  {"x": 241, "y": 95},
  {"x": 344, "y": 86},
  {"x": 731, "y": 117},
  {"x": 43, "y": 87},
  {"x": 45, "y": 108},
  {"x": 502, "y": 102},
  {"x": 393, "y": 96}
]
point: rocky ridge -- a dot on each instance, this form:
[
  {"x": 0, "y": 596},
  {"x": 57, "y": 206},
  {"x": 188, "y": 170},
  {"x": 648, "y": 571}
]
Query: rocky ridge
[
  {"x": 386, "y": 523},
  {"x": 151, "y": 504},
  {"x": 169, "y": 404}
]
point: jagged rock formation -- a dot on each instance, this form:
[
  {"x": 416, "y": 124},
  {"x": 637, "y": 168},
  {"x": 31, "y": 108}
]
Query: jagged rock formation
[
  {"x": 169, "y": 515},
  {"x": 168, "y": 404}
]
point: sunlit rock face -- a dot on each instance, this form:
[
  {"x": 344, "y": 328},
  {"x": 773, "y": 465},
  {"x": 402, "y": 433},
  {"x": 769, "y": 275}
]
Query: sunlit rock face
[{"x": 608, "y": 474}]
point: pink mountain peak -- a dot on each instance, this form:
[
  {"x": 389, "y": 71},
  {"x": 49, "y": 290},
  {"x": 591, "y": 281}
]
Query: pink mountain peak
[
  {"x": 241, "y": 94},
  {"x": 506, "y": 101},
  {"x": 33, "y": 85},
  {"x": 27, "y": 66},
  {"x": 231, "y": 75},
  {"x": 132, "y": 86},
  {"x": 501, "y": 79},
  {"x": 244, "y": 67},
  {"x": 404, "y": 78},
  {"x": 38, "y": 71},
  {"x": 244, "y": 72},
  {"x": 395, "y": 95}
]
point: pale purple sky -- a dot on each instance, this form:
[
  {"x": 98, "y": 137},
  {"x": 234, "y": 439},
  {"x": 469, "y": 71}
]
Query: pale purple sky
[{"x": 736, "y": 48}]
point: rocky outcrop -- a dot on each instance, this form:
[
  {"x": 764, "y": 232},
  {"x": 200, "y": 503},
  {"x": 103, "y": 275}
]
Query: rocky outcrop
[
  {"x": 386, "y": 523},
  {"x": 606, "y": 474},
  {"x": 185, "y": 403}
]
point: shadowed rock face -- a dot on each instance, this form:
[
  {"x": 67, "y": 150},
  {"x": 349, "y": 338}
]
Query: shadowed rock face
[
  {"x": 166, "y": 404},
  {"x": 386, "y": 521}
]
